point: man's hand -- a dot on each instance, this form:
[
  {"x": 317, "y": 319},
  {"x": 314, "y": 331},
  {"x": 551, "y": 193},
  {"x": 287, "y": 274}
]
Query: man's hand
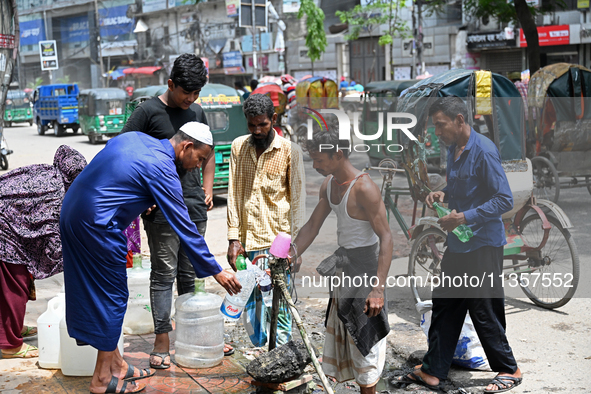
[
  {"x": 234, "y": 249},
  {"x": 295, "y": 265},
  {"x": 149, "y": 210},
  {"x": 451, "y": 221},
  {"x": 374, "y": 303},
  {"x": 208, "y": 199},
  {"x": 228, "y": 282},
  {"x": 434, "y": 197}
]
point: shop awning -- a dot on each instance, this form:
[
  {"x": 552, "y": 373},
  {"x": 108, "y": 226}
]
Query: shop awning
[{"x": 141, "y": 70}]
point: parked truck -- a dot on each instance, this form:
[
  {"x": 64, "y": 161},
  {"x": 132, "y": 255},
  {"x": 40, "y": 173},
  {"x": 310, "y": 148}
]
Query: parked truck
[{"x": 56, "y": 106}]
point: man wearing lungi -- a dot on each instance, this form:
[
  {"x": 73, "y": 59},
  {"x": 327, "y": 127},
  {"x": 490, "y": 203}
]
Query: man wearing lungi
[
  {"x": 356, "y": 322},
  {"x": 132, "y": 173}
]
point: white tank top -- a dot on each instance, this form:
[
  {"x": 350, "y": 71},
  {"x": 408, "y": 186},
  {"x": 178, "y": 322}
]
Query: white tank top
[{"x": 351, "y": 232}]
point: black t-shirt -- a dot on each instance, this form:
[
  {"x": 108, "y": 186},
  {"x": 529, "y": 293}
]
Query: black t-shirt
[{"x": 160, "y": 121}]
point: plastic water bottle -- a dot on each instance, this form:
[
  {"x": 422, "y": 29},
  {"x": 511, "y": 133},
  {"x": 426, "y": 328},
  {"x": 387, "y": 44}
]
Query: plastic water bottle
[
  {"x": 48, "y": 326},
  {"x": 463, "y": 232},
  {"x": 138, "y": 317},
  {"x": 266, "y": 287},
  {"x": 199, "y": 328},
  {"x": 233, "y": 305}
]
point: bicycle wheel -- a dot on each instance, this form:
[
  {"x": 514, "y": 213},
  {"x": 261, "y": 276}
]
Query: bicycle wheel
[
  {"x": 546, "y": 180},
  {"x": 559, "y": 263},
  {"x": 425, "y": 262}
]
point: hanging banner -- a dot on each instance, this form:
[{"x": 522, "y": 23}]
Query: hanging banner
[
  {"x": 232, "y": 7},
  {"x": 32, "y": 32},
  {"x": 48, "y": 54}
]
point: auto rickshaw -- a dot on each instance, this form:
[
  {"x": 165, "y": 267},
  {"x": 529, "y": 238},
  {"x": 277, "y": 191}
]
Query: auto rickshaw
[
  {"x": 223, "y": 109},
  {"x": 18, "y": 108},
  {"x": 559, "y": 100},
  {"x": 101, "y": 112}
]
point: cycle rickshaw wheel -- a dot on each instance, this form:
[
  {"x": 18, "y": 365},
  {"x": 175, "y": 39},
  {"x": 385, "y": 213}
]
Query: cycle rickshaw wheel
[
  {"x": 424, "y": 263},
  {"x": 560, "y": 260},
  {"x": 546, "y": 180}
]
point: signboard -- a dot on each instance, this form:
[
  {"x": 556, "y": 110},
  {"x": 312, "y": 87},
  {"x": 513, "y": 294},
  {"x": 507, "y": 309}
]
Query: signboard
[
  {"x": 32, "y": 32},
  {"x": 75, "y": 29},
  {"x": 114, "y": 22},
  {"x": 232, "y": 59},
  {"x": 260, "y": 13},
  {"x": 493, "y": 39},
  {"x": 153, "y": 5},
  {"x": 6, "y": 41},
  {"x": 582, "y": 4},
  {"x": 291, "y": 6},
  {"x": 232, "y": 7},
  {"x": 48, "y": 54},
  {"x": 549, "y": 35}
]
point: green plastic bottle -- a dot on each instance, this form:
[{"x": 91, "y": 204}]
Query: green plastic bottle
[
  {"x": 240, "y": 263},
  {"x": 463, "y": 232}
]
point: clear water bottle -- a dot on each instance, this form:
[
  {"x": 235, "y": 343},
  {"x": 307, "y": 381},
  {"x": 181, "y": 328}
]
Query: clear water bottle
[
  {"x": 199, "y": 329},
  {"x": 266, "y": 288},
  {"x": 233, "y": 305}
]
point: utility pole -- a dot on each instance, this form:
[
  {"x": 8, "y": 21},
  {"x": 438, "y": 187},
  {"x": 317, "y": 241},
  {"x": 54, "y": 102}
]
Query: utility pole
[
  {"x": 47, "y": 37},
  {"x": 254, "y": 41},
  {"x": 98, "y": 39},
  {"x": 420, "y": 38}
]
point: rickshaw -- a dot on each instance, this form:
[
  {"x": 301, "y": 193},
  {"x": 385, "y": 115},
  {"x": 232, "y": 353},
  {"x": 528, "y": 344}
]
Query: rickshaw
[
  {"x": 101, "y": 112},
  {"x": 314, "y": 93},
  {"x": 279, "y": 98},
  {"x": 559, "y": 99},
  {"x": 223, "y": 108},
  {"x": 381, "y": 97},
  {"x": 18, "y": 108},
  {"x": 539, "y": 243}
]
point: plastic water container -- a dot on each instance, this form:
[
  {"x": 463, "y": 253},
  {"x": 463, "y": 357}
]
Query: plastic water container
[
  {"x": 233, "y": 305},
  {"x": 48, "y": 328},
  {"x": 78, "y": 360},
  {"x": 199, "y": 329},
  {"x": 138, "y": 317}
]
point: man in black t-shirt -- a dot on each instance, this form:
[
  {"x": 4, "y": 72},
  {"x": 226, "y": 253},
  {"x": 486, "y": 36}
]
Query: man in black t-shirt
[{"x": 161, "y": 117}]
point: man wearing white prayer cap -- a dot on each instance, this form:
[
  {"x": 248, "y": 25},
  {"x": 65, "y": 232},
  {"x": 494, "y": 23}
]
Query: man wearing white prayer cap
[{"x": 132, "y": 173}]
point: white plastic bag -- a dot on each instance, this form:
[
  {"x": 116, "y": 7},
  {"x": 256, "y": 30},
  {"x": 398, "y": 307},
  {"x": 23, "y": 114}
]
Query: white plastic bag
[{"x": 469, "y": 352}]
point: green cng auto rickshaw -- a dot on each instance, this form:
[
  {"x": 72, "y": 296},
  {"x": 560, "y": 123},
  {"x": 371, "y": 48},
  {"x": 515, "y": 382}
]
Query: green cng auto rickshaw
[
  {"x": 18, "y": 108},
  {"x": 101, "y": 112},
  {"x": 223, "y": 108}
]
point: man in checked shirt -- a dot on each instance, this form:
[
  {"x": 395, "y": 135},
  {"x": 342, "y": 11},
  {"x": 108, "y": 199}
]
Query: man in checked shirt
[{"x": 265, "y": 196}]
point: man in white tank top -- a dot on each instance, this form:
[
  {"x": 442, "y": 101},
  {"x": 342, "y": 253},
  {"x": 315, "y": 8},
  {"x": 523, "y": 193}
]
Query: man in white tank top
[{"x": 357, "y": 322}]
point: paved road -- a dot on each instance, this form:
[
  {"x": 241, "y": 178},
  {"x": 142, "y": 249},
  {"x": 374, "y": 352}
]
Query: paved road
[{"x": 553, "y": 348}]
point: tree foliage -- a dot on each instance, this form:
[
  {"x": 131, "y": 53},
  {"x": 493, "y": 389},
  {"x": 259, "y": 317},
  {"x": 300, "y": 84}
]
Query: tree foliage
[
  {"x": 34, "y": 85},
  {"x": 370, "y": 16},
  {"x": 316, "y": 36}
]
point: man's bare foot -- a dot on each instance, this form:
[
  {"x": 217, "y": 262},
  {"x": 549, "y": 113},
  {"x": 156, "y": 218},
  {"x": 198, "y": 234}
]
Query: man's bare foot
[
  {"x": 509, "y": 383},
  {"x": 430, "y": 380},
  {"x": 228, "y": 350},
  {"x": 99, "y": 385},
  {"x": 23, "y": 351}
]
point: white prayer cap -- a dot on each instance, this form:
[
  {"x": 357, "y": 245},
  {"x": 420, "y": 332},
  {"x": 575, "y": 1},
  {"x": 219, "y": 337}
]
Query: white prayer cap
[{"x": 198, "y": 131}]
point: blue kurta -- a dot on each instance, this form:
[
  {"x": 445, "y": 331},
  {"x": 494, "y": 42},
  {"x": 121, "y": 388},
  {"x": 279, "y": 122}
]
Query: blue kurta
[{"x": 133, "y": 172}]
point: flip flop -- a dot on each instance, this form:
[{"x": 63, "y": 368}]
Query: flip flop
[
  {"x": 416, "y": 379},
  {"x": 22, "y": 354},
  {"x": 144, "y": 373},
  {"x": 162, "y": 356},
  {"x": 508, "y": 382},
  {"x": 28, "y": 331},
  {"x": 112, "y": 387},
  {"x": 229, "y": 352}
]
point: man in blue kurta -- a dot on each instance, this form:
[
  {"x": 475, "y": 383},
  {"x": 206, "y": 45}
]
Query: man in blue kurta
[{"x": 131, "y": 174}]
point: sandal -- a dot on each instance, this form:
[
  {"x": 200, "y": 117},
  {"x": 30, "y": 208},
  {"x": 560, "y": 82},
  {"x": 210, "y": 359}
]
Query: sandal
[
  {"x": 508, "y": 383},
  {"x": 228, "y": 352},
  {"x": 416, "y": 379},
  {"x": 28, "y": 331},
  {"x": 144, "y": 373},
  {"x": 112, "y": 387},
  {"x": 21, "y": 354},
  {"x": 162, "y": 356}
]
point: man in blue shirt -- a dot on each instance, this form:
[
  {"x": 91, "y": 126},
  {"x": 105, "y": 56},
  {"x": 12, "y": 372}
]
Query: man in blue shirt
[
  {"x": 132, "y": 173},
  {"x": 478, "y": 194}
]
